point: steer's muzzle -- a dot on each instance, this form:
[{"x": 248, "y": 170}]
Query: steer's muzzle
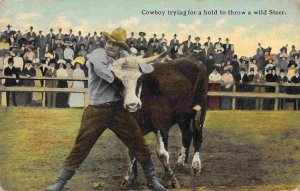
[{"x": 133, "y": 107}]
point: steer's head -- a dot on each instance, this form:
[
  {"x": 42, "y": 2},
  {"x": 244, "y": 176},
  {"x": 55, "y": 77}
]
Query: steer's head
[{"x": 128, "y": 70}]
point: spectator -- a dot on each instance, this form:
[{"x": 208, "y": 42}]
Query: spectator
[
  {"x": 68, "y": 52},
  {"x": 253, "y": 65},
  {"x": 37, "y": 96},
  {"x": 297, "y": 60},
  {"x": 70, "y": 72},
  {"x": 270, "y": 65},
  {"x": 62, "y": 97},
  {"x": 141, "y": 43},
  {"x": 210, "y": 63},
  {"x": 259, "y": 78},
  {"x": 282, "y": 79},
  {"x": 251, "y": 101},
  {"x": 59, "y": 50},
  {"x": 295, "y": 90},
  {"x": 28, "y": 72},
  {"x": 10, "y": 70},
  {"x": 293, "y": 51},
  {"x": 29, "y": 55},
  {"x": 291, "y": 69},
  {"x": 74, "y": 47},
  {"x": 228, "y": 81},
  {"x": 228, "y": 49},
  {"x": 18, "y": 62},
  {"x": 219, "y": 56},
  {"x": 270, "y": 77},
  {"x": 214, "y": 102},
  {"x": 241, "y": 79},
  {"x": 282, "y": 62},
  {"x": 77, "y": 99},
  {"x": 197, "y": 49},
  {"x": 82, "y": 51},
  {"x": 51, "y": 96}
]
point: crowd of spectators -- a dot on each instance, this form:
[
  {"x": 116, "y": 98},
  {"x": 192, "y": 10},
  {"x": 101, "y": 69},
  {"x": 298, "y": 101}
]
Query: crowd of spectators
[{"x": 63, "y": 55}]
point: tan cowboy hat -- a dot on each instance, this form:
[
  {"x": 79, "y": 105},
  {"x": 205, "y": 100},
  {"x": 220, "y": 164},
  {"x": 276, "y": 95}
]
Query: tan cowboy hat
[{"x": 118, "y": 36}]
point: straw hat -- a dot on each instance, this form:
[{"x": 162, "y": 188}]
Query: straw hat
[
  {"x": 117, "y": 36},
  {"x": 79, "y": 59}
]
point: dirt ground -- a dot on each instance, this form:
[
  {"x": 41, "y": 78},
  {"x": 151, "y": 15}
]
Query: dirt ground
[{"x": 241, "y": 151}]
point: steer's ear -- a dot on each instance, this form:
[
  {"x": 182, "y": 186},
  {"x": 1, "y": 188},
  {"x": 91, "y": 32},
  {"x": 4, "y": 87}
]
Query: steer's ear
[{"x": 146, "y": 68}]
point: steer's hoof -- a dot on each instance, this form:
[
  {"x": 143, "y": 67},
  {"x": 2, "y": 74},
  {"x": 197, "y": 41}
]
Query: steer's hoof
[
  {"x": 171, "y": 181},
  {"x": 128, "y": 184}
]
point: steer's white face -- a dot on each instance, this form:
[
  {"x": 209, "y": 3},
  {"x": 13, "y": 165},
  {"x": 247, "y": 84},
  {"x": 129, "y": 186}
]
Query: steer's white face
[{"x": 128, "y": 71}]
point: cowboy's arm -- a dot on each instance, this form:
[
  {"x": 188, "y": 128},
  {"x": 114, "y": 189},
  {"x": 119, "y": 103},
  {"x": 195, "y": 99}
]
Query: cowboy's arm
[{"x": 96, "y": 60}]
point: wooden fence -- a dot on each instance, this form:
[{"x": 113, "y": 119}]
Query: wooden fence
[{"x": 233, "y": 94}]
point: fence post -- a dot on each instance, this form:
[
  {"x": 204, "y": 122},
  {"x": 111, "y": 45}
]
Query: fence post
[
  {"x": 44, "y": 94},
  {"x": 234, "y": 98},
  {"x": 277, "y": 99},
  {"x": 86, "y": 98}
]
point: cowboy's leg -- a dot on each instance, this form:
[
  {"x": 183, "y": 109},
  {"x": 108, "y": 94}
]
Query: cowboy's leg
[
  {"x": 94, "y": 122},
  {"x": 127, "y": 129}
]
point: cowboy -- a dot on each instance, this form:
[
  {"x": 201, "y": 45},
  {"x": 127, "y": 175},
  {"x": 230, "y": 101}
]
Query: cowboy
[{"x": 104, "y": 111}]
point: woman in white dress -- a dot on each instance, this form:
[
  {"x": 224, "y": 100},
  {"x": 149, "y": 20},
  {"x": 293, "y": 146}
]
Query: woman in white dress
[{"x": 77, "y": 99}]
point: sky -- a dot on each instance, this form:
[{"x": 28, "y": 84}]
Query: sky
[{"x": 244, "y": 31}]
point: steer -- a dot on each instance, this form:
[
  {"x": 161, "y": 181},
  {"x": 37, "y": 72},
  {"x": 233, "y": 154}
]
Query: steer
[{"x": 161, "y": 98}]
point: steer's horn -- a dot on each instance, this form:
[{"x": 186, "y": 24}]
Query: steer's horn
[{"x": 152, "y": 58}]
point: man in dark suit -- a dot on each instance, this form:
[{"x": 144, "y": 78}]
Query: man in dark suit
[
  {"x": 50, "y": 35},
  {"x": 228, "y": 49},
  {"x": 8, "y": 31},
  {"x": 241, "y": 78},
  {"x": 197, "y": 48},
  {"x": 211, "y": 48},
  {"x": 59, "y": 35},
  {"x": 28, "y": 71},
  {"x": 174, "y": 41},
  {"x": 75, "y": 47},
  {"x": 219, "y": 43},
  {"x": 155, "y": 43},
  {"x": 141, "y": 43},
  {"x": 79, "y": 38},
  {"x": 31, "y": 34},
  {"x": 187, "y": 47},
  {"x": 70, "y": 36},
  {"x": 87, "y": 40},
  {"x": 41, "y": 40},
  {"x": 95, "y": 39},
  {"x": 131, "y": 41},
  {"x": 11, "y": 71}
]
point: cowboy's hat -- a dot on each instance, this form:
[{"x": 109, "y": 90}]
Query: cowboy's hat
[
  {"x": 8, "y": 26},
  {"x": 117, "y": 36}
]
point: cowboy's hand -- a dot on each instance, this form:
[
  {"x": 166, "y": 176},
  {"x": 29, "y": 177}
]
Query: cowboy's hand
[{"x": 197, "y": 108}]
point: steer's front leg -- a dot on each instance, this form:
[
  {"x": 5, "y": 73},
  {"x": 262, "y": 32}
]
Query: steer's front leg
[
  {"x": 132, "y": 173},
  {"x": 163, "y": 156}
]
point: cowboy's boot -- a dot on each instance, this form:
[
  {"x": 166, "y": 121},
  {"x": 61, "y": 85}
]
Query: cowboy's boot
[
  {"x": 62, "y": 180},
  {"x": 150, "y": 175}
]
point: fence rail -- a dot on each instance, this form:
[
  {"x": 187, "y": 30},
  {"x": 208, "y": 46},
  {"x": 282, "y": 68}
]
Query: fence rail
[{"x": 233, "y": 94}]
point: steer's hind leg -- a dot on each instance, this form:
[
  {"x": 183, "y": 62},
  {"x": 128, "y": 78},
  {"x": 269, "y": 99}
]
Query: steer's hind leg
[
  {"x": 163, "y": 156},
  {"x": 198, "y": 123},
  {"x": 187, "y": 137},
  {"x": 132, "y": 173}
]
